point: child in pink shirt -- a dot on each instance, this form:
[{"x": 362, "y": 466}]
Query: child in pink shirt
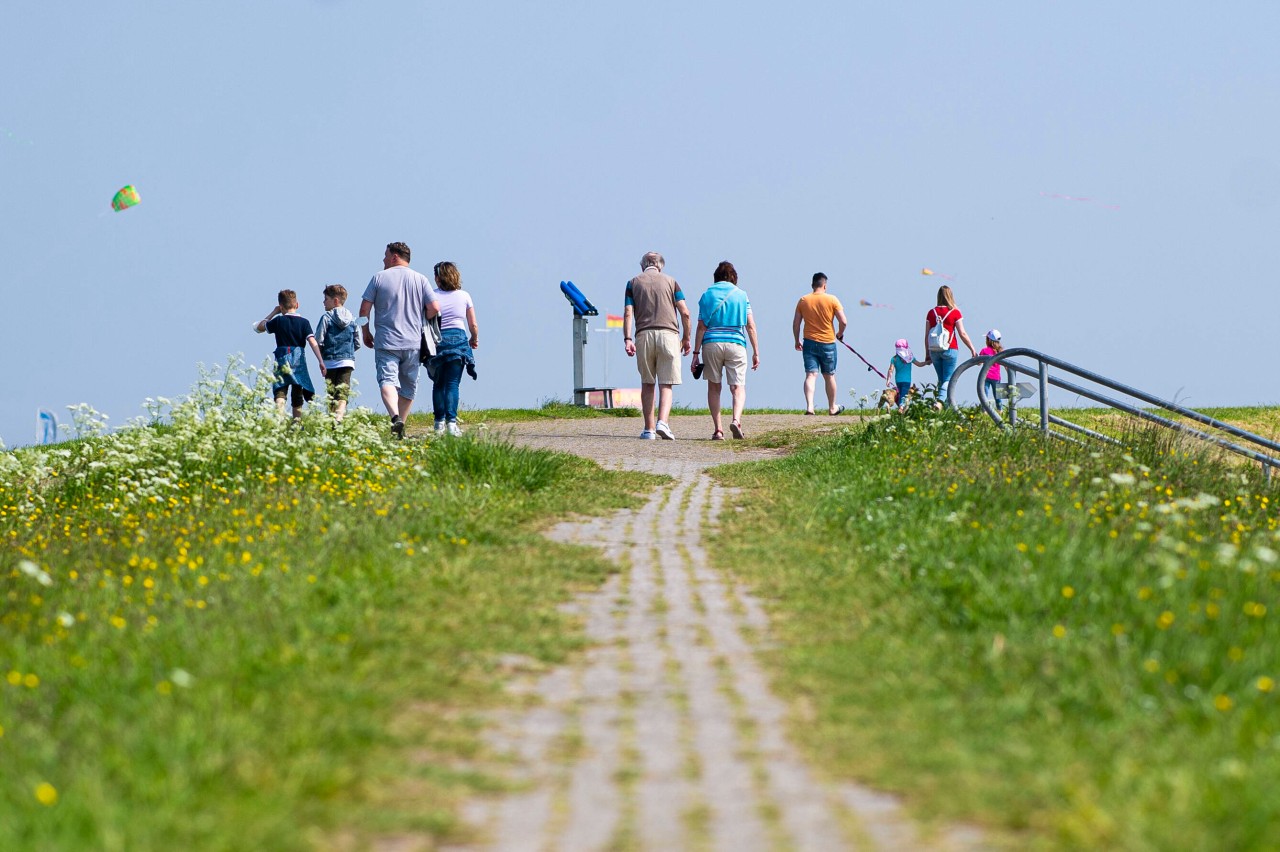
[{"x": 993, "y": 347}]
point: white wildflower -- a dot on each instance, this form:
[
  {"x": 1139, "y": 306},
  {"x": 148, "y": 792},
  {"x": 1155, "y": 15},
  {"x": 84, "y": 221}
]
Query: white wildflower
[{"x": 35, "y": 572}]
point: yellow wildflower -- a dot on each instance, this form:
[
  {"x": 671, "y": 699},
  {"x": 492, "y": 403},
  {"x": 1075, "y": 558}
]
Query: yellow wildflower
[{"x": 46, "y": 794}]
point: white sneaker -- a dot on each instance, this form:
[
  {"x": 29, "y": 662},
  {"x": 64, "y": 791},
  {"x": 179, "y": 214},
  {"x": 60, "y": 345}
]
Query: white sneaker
[
  {"x": 664, "y": 431},
  {"x": 647, "y": 435},
  {"x": 454, "y": 429},
  {"x": 440, "y": 428}
]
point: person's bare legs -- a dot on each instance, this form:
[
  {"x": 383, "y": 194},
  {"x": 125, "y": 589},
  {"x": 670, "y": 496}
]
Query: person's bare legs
[
  {"x": 390, "y": 398},
  {"x": 713, "y": 403},
  {"x": 646, "y": 405},
  {"x": 339, "y": 410},
  {"x": 280, "y": 404},
  {"x": 664, "y": 403},
  {"x": 397, "y": 405},
  {"x": 810, "y": 380},
  {"x": 830, "y": 379},
  {"x": 739, "y": 393}
]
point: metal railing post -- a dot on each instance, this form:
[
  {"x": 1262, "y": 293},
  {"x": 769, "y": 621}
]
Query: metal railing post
[
  {"x": 1264, "y": 450},
  {"x": 1044, "y": 397},
  {"x": 579, "y": 359}
]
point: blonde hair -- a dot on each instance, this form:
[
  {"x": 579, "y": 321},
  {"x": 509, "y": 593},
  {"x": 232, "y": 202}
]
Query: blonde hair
[
  {"x": 945, "y": 296},
  {"x": 448, "y": 276},
  {"x": 996, "y": 345}
]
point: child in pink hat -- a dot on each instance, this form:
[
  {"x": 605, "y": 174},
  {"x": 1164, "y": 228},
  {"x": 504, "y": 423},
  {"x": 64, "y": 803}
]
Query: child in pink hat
[{"x": 899, "y": 372}]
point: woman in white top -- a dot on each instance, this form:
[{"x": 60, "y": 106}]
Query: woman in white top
[{"x": 459, "y": 334}]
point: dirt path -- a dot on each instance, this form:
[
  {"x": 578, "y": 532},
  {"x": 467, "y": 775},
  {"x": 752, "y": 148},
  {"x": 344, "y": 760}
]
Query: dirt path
[{"x": 666, "y": 735}]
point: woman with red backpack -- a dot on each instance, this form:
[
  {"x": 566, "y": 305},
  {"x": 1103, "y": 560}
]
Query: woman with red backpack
[{"x": 943, "y": 331}]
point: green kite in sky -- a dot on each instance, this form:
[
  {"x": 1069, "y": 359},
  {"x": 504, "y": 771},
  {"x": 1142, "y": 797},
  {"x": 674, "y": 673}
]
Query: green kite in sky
[{"x": 125, "y": 198}]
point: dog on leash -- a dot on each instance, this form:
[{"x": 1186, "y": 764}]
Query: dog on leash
[{"x": 889, "y": 399}]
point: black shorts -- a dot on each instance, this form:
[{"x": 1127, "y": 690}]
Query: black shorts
[
  {"x": 296, "y": 391},
  {"x": 338, "y": 380}
]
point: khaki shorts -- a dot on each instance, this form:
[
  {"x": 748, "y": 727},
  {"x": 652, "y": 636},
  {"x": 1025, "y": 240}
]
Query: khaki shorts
[
  {"x": 658, "y": 356},
  {"x": 724, "y": 359}
]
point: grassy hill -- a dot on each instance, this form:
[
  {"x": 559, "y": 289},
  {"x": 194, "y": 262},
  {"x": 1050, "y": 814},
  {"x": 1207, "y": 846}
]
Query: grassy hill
[
  {"x": 1074, "y": 646},
  {"x": 229, "y": 632}
]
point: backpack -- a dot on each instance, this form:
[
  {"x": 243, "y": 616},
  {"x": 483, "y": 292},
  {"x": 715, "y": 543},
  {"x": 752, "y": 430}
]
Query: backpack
[{"x": 939, "y": 338}]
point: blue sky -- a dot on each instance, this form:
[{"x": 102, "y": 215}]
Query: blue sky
[{"x": 284, "y": 144}]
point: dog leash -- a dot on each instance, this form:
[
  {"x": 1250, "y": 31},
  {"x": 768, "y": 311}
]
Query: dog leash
[{"x": 865, "y": 361}]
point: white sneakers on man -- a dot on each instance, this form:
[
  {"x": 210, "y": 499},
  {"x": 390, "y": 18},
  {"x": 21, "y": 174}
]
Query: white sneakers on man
[{"x": 664, "y": 431}]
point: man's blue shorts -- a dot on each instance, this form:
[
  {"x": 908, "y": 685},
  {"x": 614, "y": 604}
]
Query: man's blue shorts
[{"x": 819, "y": 357}]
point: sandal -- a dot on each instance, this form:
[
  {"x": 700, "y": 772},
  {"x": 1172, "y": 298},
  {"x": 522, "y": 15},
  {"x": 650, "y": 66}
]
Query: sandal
[
  {"x": 736, "y": 429},
  {"x": 811, "y": 412},
  {"x": 839, "y": 410},
  {"x": 717, "y": 435}
]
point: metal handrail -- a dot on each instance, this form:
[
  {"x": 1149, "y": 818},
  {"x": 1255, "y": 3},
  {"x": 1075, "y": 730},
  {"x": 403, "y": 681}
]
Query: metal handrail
[{"x": 1041, "y": 372}]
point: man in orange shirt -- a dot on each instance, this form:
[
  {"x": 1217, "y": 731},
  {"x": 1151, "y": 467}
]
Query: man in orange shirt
[{"x": 816, "y": 312}]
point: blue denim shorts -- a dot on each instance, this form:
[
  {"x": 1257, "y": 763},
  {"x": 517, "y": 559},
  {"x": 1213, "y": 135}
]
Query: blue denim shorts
[
  {"x": 819, "y": 357},
  {"x": 398, "y": 367}
]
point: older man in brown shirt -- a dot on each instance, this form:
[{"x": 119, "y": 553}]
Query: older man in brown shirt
[{"x": 656, "y": 332}]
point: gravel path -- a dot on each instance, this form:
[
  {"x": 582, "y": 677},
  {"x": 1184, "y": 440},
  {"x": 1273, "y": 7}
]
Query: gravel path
[{"x": 665, "y": 735}]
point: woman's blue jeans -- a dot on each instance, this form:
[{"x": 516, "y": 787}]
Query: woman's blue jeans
[
  {"x": 944, "y": 364},
  {"x": 444, "y": 388}
]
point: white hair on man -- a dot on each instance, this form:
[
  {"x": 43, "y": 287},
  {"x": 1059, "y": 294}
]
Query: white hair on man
[{"x": 652, "y": 258}]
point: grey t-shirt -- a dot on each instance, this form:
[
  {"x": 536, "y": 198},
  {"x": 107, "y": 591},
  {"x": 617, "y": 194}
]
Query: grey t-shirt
[{"x": 399, "y": 296}]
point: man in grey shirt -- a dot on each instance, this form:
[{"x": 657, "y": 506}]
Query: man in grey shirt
[{"x": 400, "y": 299}]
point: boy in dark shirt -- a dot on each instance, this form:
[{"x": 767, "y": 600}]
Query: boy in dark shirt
[{"x": 293, "y": 335}]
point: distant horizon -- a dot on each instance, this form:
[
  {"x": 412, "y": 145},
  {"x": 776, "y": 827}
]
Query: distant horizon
[{"x": 679, "y": 409}]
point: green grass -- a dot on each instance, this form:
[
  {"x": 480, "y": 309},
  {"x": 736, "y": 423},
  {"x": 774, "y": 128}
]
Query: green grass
[
  {"x": 1264, "y": 421},
  {"x": 1074, "y": 647},
  {"x": 229, "y": 633},
  {"x": 549, "y": 410}
]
